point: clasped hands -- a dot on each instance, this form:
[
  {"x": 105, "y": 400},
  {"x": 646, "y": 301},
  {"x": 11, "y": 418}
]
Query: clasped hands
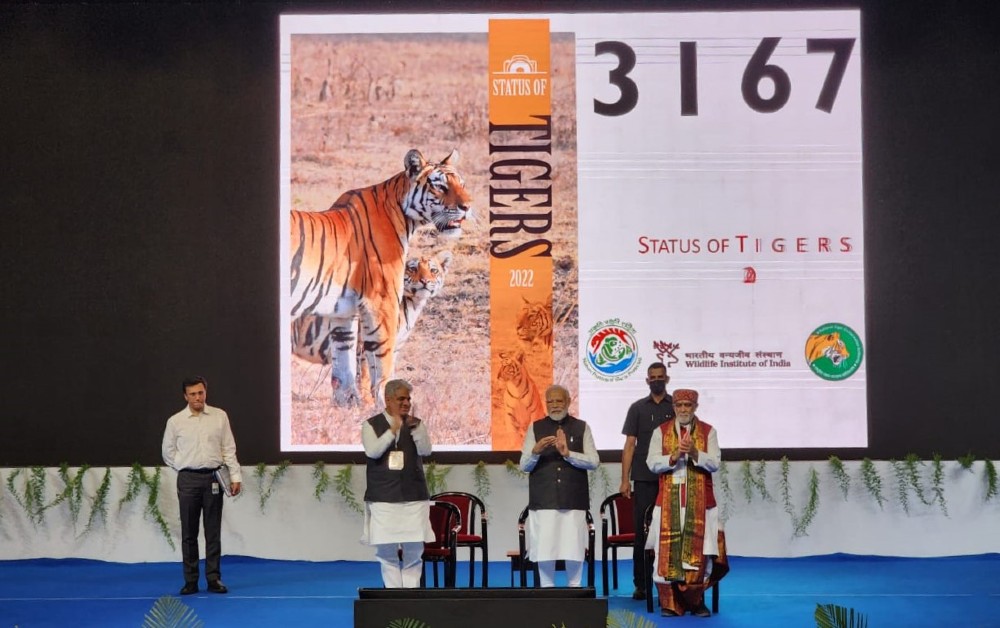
[
  {"x": 558, "y": 441},
  {"x": 408, "y": 420},
  {"x": 684, "y": 448}
]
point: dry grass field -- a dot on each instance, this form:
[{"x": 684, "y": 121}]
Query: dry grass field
[{"x": 358, "y": 104}]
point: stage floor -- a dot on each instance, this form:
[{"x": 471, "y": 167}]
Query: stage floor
[{"x": 959, "y": 591}]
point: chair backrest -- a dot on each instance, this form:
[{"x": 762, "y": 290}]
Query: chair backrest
[
  {"x": 469, "y": 506},
  {"x": 446, "y": 521},
  {"x": 616, "y": 510}
]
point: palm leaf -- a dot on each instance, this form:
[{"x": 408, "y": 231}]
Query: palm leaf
[
  {"x": 833, "y": 616},
  {"x": 628, "y": 619},
  {"x": 407, "y": 622},
  {"x": 169, "y": 612}
]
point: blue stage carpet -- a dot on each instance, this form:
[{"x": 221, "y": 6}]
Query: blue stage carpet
[{"x": 961, "y": 591}]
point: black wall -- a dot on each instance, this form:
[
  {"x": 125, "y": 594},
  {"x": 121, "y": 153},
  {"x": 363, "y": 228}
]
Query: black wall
[{"x": 139, "y": 191}]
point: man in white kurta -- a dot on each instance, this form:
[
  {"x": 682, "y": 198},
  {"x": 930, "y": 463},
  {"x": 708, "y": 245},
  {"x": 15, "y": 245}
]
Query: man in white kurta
[
  {"x": 397, "y": 506},
  {"x": 685, "y": 452},
  {"x": 557, "y": 453}
]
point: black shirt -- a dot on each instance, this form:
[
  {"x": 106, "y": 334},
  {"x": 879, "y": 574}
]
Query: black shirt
[{"x": 644, "y": 416}]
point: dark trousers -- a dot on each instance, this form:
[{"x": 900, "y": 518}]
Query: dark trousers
[
  {"x": 194, "y": 493},
  {"x": 643, "y": 496}
]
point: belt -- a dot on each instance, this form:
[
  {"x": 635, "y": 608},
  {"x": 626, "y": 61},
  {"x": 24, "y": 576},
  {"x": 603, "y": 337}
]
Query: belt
[{"x": 203, "y": 471}]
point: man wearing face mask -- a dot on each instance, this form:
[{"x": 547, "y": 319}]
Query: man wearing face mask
[
  {"x": 684, "y": 533},
  {"x": 558, "y": 451},
  {"x": 643, "y": 418}
]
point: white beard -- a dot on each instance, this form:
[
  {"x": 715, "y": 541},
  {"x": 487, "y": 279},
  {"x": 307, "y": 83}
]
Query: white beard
[{"x": 558, "y": 416}]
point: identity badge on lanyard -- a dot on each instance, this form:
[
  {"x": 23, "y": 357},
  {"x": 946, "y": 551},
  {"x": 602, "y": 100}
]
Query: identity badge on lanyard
[{"x": 396, "y": 460}]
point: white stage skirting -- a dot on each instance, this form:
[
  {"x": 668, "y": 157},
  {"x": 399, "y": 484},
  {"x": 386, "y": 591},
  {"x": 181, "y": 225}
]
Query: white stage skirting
[{"x": 294, "y": 525}]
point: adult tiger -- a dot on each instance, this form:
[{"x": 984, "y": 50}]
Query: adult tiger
[
  {"x": 314, "y": 337},
  {"x": 348, "y": 261},
  {"x": 826, "y": 346}
]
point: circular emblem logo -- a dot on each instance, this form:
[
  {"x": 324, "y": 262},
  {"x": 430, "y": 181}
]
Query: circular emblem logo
[
  {"x": 612, "y": 351},
  {"x": 834, "y": 351}
]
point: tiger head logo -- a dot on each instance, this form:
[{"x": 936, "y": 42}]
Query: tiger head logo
[
  {"x": 826, "y": 346},
  {"x": 437, "y": 193}
]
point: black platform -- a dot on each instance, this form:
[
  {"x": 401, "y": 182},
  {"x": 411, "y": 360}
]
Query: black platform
[{"x": 482, "y": 608}]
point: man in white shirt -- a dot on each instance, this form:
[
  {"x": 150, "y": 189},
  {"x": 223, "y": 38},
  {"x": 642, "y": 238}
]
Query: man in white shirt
[
  {"x": 557, "y": 453},
  {"x": 397, "y": 503},
  {"x": 198, "y": 441}
]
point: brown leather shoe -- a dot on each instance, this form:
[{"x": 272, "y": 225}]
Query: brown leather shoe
[
  {"x": 216, "y": 586},
  {"x": 666, "y": 612},
  {"x": 189, "y": 588},
  {"x": 702, "y": 611},
  {"x": 638, "y": 594}
]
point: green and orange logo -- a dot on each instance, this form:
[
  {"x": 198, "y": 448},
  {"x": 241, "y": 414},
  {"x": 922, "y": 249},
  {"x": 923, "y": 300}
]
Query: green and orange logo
[{"x": 834, "y": 351}]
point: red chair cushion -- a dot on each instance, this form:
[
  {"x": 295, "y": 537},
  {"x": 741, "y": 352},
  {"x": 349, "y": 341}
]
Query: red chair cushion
[{"x": 621, "y": 539}]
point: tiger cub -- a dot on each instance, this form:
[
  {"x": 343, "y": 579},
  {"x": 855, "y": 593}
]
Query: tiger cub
[
  {"x": 522, "y": 402},
  {"x": 314, "y": 337}
]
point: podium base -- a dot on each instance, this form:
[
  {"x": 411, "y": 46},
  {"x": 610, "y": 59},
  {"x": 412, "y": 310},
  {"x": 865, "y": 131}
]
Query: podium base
[{"x": 482, "y": 608}]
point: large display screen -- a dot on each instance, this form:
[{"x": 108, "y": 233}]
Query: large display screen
[{"x": 485, "y": 205}]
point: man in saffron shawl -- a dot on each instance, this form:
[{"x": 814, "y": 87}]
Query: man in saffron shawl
[{"x": 684, "y": 532}]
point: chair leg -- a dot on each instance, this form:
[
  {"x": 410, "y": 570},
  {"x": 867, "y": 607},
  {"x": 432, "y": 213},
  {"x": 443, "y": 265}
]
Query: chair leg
[
  {"x": 715, "y": 598},
  {"x": 604, "y": 571},
  {"x": 472, "y": 567},
  {"x": 614, "y": 566},
  {"x": 647, "y": 577},
  {"x": 486, "y": 568}
]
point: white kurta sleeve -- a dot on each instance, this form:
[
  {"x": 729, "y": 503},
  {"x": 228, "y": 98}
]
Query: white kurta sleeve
[
  {"x": 375, "y": 446},
  {"x": 656, "y": 460},
  {"x": 528, "y": 459},
  {"x": 589, "y": 459},
  {"x": 422, "y": 439}
]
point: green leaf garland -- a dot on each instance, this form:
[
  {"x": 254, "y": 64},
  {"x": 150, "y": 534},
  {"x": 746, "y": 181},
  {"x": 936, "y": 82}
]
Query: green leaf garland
[
  {"x": 872, "y": 481},
  {"x": 342, "y": 482}
]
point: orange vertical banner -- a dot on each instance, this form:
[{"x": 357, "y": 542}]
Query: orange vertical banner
[{"x": 520, "y": 110}]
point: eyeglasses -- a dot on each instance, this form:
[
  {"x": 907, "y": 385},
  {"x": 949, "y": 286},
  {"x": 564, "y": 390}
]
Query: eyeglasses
[{"x": 683, "y": 404}]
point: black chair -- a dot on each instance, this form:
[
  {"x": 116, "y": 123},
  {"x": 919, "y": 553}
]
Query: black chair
[
  {"x": 526, "y": 564},
  {"x": 470, "y": 506},
  {"x": 446, "y": 521},
  {"x": 617, "y": 530},
  {"x": 649, "y": 557}
]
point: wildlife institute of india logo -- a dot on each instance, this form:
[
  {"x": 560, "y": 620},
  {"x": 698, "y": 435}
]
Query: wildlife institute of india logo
[
  {"x": 612, "y": 351},
  {"x": 834, "y": 351}
]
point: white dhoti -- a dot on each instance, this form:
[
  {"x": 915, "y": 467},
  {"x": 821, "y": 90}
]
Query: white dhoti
[
  {"x": 393, "y": 527},
  {"x": 557, "y": 535}
]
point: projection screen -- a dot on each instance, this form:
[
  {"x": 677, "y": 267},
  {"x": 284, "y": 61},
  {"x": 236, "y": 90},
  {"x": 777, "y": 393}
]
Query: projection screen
[{"x": 615, "y": 190}]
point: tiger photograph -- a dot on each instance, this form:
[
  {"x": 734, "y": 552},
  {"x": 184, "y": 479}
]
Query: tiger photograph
[{"x": 389, "y": 196}]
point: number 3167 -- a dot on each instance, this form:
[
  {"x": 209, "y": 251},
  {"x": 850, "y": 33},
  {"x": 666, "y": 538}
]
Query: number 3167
[{"x": 756, "y": 71}]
